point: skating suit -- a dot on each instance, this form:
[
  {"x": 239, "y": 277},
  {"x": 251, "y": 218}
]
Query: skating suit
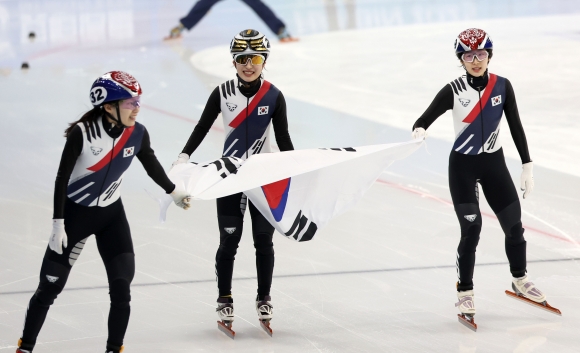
[
  {"x": 247, "y": 113},
  {"x": 87, "y": 196},
  {"x": 477, "y": 158}
]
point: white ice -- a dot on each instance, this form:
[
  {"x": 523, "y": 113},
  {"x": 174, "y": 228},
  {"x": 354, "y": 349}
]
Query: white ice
[{"x": 380, "y": 278}]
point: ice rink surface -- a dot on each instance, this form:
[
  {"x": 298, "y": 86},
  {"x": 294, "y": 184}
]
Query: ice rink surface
[{"x": 380, "y": 278}]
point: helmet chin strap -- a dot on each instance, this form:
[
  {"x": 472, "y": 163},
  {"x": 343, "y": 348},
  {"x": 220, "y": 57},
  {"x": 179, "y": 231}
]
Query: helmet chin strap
[{"x": 117, "y": 119}]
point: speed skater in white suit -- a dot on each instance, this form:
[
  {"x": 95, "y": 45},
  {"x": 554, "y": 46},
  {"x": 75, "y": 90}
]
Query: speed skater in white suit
[
  {"x": 478, "y": 101},
  {"x": 249, "y": 105}
]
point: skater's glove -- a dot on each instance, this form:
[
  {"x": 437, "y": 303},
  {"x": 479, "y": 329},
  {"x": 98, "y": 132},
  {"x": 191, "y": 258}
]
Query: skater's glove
[
  {"x": 527, "y": 178},
  {"x": 182, "y": 158},
  {"x": 58, "y": 239},
  {"x": 181, "y": 197},
  {"x": 419, "y": 133}
]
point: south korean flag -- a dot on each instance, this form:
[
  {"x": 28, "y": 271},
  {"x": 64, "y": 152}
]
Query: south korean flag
[{"x": 128, "y": 152}]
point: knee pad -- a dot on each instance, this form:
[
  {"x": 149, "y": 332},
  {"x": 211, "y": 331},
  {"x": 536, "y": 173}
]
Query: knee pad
[
  {"x": 120, "y": 293},
  {"x": 263, "y": 244},
  {"x": 53, "y": 277},
  {"x": 230, "y": 233},
  {"x": 470, "y": 222},
  {"x": 511, "y": 224},
  {"x": 46, "y": 293}
]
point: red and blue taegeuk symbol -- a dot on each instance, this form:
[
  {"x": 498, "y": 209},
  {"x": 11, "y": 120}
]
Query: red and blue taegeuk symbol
[{"x": 277, "y": 197}]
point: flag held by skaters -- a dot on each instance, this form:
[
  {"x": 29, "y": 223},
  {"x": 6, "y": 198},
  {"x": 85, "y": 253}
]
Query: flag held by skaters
[{"x": 299, "y": 191}]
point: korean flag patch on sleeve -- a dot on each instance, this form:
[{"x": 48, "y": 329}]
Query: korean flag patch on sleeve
[
  {"x": 128, "y": 152},
  {"x": 263, "y": 110},
  {"x": 495, "y": 100}
]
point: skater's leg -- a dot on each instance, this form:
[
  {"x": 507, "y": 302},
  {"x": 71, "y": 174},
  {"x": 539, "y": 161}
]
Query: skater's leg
[
  {"x": 199, "y": 10},
  {"x": 267, "y": 15},
  {"x": 502, "y": 197},
  {"x": 230, "y": 212},
  {"x": 79, "y": 224},
  {"x": 463, "y": 187},
  {"x": 116, "y": 249},
  {"x": 263, "y": 232}
]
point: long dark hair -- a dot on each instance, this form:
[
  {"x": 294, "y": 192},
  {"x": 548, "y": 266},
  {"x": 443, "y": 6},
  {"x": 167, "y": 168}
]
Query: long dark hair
[{"x": 90, "y": 117}]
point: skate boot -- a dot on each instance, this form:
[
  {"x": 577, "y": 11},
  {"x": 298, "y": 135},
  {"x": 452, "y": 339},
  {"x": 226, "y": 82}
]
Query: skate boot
[
  {"x": 527, "y": 289},
  {"x": 225, "y": 311},
  {"x": 175, "y": 32},
  {"x": 114, "y": 349},
  {"x": 23, "y": 348},
  {"x": 466, "y": 306},
  {"x": 285, "y": 37},
  {"x": 265, "y": 312},
  {"x": 527, "y": 292}
]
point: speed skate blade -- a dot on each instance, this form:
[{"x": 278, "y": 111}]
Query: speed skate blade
[
  {"x": 266, "y": 326},
  {"x": 546, "y": 307},
  {"x": 470, "y": 324},
  {"x": 227, "y": 329}
]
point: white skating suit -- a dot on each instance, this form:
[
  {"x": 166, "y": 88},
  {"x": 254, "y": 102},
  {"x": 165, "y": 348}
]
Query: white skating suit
[
  {"x": 98, "y": 172},
  {"x": 247, "y": 120},
  {"x": 477, "y": 115}
]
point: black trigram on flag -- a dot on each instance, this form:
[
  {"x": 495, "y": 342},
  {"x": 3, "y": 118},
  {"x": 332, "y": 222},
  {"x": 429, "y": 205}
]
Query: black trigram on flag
[
  {"x": 229, "y": 164},
  {"x": 346, "y": 149},
  {"x": 298, "y": 226}
]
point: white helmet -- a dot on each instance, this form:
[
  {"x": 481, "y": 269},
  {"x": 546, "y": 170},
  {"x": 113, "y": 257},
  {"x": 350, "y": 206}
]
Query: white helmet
[{"x": 250, "y": 41}]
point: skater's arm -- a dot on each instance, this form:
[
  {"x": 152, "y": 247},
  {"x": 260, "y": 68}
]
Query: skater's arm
[
  {"x": 513, "y": 118},
  {"x": 280, "y": 124},
  {"x": 152, "y": 166},
  {"x": 210, "y": 113},
  {"x": 442, "y": 102},
  {"x": 72, "y": 150}
]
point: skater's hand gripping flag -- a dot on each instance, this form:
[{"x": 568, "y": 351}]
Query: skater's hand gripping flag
[
  {"x": 297, "y": 191},
  {"x": 527, "y": 178},
  {"x": 58, "y": 239}
]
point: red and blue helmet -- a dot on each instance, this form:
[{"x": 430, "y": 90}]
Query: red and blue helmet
[
  {"x": 114, "y": 86},
  {"x": 472, "y": 39}
]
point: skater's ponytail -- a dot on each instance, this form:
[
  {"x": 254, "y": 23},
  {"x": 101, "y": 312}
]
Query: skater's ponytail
[{"x": 88, "y": 119}]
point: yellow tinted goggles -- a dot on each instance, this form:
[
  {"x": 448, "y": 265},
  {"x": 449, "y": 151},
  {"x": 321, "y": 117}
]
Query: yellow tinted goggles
[{"x": 255, "y": 59}]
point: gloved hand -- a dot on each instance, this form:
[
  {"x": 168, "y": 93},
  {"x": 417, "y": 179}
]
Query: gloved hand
[
  {"x": 419, "y": 133},
  {"x": 181, "y": 197},
  {"x": 58, "y": 238},
  {"x": 527, "y": 178},
  {"x": 182, "y": 158}
]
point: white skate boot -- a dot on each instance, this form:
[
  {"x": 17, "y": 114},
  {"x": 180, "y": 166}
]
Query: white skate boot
[
  {"x": 265, "y": 313},
  {"x": 527, "y": 289},
  {"x": 225, "y": 311},
  {"x": 466, "y": 306},
  {"x": 527, "y": 292}
]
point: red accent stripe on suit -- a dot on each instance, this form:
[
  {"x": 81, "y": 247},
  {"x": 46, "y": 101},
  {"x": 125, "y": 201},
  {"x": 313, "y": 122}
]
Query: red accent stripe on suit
[
  {"x": 118, "y": 147},
  {"x": 476, "y": 110},
  {"x": 253, "y": 104}
]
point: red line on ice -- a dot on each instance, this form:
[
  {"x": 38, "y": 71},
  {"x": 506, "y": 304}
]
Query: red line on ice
[
  {"x": 177, "y": 116},
  {"x": 449, "y": 203}
]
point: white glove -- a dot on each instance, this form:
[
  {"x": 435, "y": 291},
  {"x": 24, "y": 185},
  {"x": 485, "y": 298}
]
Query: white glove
[
  {"x": 527, "y": 178},
  {"x": 181, "y": 197},
  {"x": 419, "y": 133},
  {"x": 182, "y": 158},
  {"x": 58, "y": 238}
]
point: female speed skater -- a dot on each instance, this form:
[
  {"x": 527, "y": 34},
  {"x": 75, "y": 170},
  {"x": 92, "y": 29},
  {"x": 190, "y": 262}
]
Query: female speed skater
[
  {"x": 249, "y": 105},
  {"x": 478, "y": 100},
  {"x": 87, "y": 200}
]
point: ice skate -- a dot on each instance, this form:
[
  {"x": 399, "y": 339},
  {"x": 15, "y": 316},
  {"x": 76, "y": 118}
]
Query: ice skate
[
  {"x": 20, "y": 349},
  {"x": 175, "y": 32},
  {"x": 225, "y": 311},
  {"x": 265, "y": 313},
  {"x": 114, "y": 349},
  {"x": 527, "y": 292},
  {"x": 466, "y": 306}
]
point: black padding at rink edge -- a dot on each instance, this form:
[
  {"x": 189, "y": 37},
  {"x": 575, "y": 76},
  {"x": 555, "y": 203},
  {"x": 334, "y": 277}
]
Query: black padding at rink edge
[{"x": 400, "y": 269}]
